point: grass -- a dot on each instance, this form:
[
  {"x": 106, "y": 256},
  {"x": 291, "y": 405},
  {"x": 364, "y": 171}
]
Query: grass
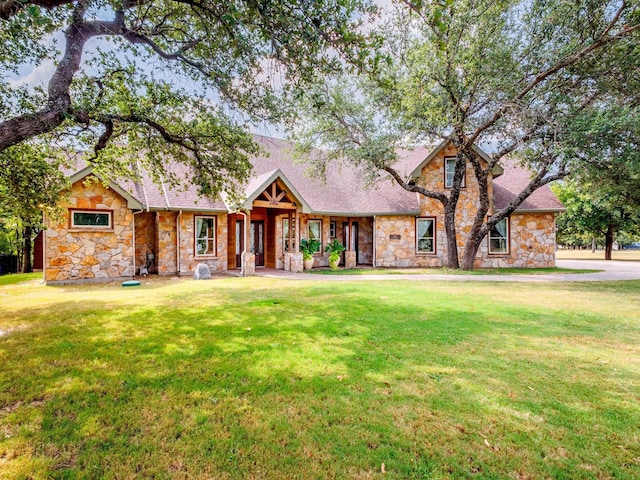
[
  {"x": 266, "y": 378},
  {"x": 448, "y": 271},
  {"x": 17, "y": 278},
  {"x": 625, "y": 255}
]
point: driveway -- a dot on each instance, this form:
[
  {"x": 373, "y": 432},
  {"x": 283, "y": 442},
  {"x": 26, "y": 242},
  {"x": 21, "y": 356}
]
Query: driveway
[{"x": 611, "y": 270}]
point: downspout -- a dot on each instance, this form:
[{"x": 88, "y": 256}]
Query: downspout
[
  {"x": 374, "y": 242},
  {"x": 178, "y": 242},
  {"x": 133, "y": 257},
  {"x": 44, "y": 247}
]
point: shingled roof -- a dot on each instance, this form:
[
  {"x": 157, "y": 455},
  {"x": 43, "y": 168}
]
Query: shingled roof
[{"x": 342, "y": 193}]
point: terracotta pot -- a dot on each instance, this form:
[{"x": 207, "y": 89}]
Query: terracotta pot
[
  {"x": 334, "y": 263},
  {"x": 308, "y": 264}
]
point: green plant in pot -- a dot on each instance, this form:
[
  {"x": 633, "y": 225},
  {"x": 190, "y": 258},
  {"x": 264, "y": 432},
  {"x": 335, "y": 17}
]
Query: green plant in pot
[
  {"x": 335, "y": 248},
  {"x": 308, "y": 248}
]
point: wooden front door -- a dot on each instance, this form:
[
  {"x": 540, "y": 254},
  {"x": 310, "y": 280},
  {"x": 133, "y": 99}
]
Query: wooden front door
[
  {"x": 257, "y": 241},
  {"x": 239, "y": 242},
  {"x": 354, "y": 238}
]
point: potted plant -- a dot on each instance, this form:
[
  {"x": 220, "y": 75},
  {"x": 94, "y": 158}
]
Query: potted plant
[
  {"x": 334, "y": 249},
  {"x": 308, "y": 248}
]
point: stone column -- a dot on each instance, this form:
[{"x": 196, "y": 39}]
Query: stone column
[
  {"x": 350, "y": 259},
  {"x": 248, "y": 264},
  {"x": 297, "y": 266}
]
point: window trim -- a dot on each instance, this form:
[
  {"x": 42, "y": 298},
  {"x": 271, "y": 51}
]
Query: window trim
[
  {"x": 285, "y": 237},
  {"x": 319, "y": 220},
  {"x": 73, "y": 211},
  {"x": 333, "y": 229},
  {"x": 434, "y": 250},
  {"x": 489, "y": 237},
  {"x": 463, "y": 184},
  {"x": 214, "y": 238}
]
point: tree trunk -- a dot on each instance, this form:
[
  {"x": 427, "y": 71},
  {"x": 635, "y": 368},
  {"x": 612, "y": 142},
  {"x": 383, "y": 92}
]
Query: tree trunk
[
  {"x": 450, "y": 230},
  {"x": 27, "y": 243},
  {"x": 608, "y": 244},
  {"x": 593, "y": 245}
]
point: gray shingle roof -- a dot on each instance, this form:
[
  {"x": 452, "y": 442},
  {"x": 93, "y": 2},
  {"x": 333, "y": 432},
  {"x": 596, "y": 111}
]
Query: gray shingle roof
[
  {"x": 513, "y": 181},
  {"x": 343, "y": 193}
]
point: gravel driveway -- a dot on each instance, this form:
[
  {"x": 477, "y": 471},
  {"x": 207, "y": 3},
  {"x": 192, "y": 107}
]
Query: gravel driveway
[{"x": 611, "y": 270}]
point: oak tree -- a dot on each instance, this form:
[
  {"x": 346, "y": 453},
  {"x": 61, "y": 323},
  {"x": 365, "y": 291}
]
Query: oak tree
[{"x": 513, "y": 75}]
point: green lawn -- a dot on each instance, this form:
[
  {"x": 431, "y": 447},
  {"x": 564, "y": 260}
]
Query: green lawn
[{"x": 265, "y": 378}]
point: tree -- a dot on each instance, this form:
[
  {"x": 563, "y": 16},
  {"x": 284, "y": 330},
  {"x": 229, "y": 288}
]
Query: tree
[
  {"x": 593, "y": 212},
  {"x": 160, "y": 84},
  {"x": 30, "y": 184},
  {"x": 603, "y": 197},
  {"x": 514, "y": 74}
]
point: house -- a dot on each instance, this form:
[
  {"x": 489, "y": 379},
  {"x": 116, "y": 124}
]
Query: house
[{"x": 116, "y": 230}]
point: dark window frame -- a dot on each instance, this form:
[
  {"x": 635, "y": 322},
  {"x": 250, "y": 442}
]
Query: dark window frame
[
  {"x": 72, "y": 223},
  {"x": 196, "y": 238}
]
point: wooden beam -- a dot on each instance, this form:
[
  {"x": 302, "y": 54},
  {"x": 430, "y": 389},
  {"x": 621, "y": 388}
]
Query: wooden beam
[{"x": 263, "y": 203}]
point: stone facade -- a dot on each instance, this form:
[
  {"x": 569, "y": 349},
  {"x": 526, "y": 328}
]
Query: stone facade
[
  {"x": 90, "y": 253},
  {"x": 145, "y": 239},
  {"x": 532, "y": 243},
  {"x": 532, "y": 235},
  {"x": 188, "y": 258}
]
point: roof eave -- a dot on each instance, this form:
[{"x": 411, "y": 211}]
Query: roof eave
[{"x": 132, "y": 202}]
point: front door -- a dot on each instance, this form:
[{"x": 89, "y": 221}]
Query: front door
[
  {"x": 239, "y": 242},
  {"x": 257, "y": 241},
  {"x": 354, "y": 237}
]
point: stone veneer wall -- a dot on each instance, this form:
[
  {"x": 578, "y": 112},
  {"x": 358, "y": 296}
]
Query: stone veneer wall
[
  {"x": 532, "y": 241},
  {"x": 146, "y": 236},
  {"x": 188, "y": 259},
  {"x": 166, "y": 242},
  {"x": 86, "y": 253}
]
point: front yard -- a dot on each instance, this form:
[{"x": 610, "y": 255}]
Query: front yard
[{"x": 265, "y": 378}]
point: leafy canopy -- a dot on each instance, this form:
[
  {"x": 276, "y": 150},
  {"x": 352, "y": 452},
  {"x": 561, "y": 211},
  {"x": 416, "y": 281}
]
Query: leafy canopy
[{"x": 141, "y": 81}]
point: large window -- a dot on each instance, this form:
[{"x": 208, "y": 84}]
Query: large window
[
  {"x": 205, "y": 235},
  {"x": 91, "y": 219},
  {"x": 449, "y": 172},
  {"x": 315, "y": 232},
  {"x": 499, "y": 237},
  {"x": 426, "y": 235}
]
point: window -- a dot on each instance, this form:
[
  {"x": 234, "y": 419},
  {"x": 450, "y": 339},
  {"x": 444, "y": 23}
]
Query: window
[
  {"x": 332, "y": 229},
  {"x": 449, "y": 172},
  {"x": 426, "y": 235},
  {"x": 285, "y": 234},
  {"x": 91, "y": 218},
  {"x": 315, "y": 231},
  {"x": 205, "y": 235},
  {"x": 499, "y": 237}
]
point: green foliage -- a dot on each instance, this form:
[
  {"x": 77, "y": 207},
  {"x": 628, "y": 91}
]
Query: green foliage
[
  {"x": 521, "y": 76},
  {"x": 334, "y": 248},
  {"x": 170, "y": 82},
  {"x": 309, "y": 247},
  {"x": 591, "y": 209}
]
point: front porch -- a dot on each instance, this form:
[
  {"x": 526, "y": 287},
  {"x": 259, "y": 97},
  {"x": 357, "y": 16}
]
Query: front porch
[{"x": 267, "y": 232}]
